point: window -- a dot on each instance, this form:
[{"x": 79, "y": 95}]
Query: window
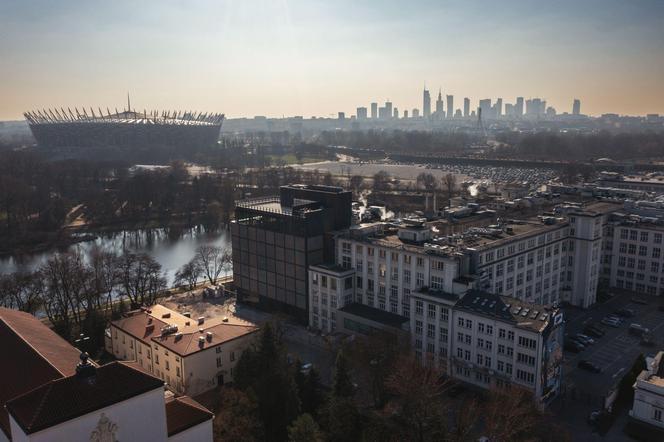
[
  {"x": 480, "y": 327},
  {"x": 431, "y": 311},
  {"x": 232, "y": 356},
  {"x": 217, "y": 349},
  {"x": 406, "y": 276},
  {"x": 437, "y": 265},
  {"x": 510, "y": 335},
  {"x": 526, "y": 342},
  {"x": 525, "y": 376},
  {"x": 177, "y": 371},
  {"x": 218, "y": 362},
  {"x": 525, "y": 359},
  {"x": 489, "y": 330},
  {"x": 418, "y": 327},
  {"x": 644, "y": 236},
  {"x": 657, "y": 414},
  {"x": 167, "y": 365},
  {"x": 431, "y": 331},
  {"x": 419, "y": 307},
  {"x": 420, "y": 279},
  {"x": 436, "y": 282}
]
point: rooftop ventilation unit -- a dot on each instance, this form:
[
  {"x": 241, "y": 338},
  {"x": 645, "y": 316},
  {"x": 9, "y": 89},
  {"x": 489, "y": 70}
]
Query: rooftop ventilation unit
[
  {"x": 187, "y": 314},
  {"x": 201, "y": 319},
  {"x": 178, "y": 336},
  {"x": 225, "y": 319},
  {"x": 208, "y": 336},
  {"x": 201, "y": 341},
  {"x": 166, "y": 315}
]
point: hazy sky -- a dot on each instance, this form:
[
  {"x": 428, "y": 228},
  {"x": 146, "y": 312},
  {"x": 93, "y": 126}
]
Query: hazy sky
[{"x": 308, "y": 57}]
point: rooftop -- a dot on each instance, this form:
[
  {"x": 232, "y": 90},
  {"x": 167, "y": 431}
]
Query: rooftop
[
  {"x": 522, "y": 314},
  {"x": 67, "y": 398},
  {"x": 34, "y": 355},
  {"x": 159, "y": 323},
  {"x": 374, "y": 314},
  {"x": 183, "y": 413},
  {"x": 332, "y": 267}
]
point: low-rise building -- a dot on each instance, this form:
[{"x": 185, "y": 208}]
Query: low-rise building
[
  {"x": 190, "y": 355},
  {"x": 648, "y": 407},
  {"x": 51, "y": 392}
]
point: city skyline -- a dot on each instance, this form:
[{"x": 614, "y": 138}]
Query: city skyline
[{"x": 316, "y": 59}]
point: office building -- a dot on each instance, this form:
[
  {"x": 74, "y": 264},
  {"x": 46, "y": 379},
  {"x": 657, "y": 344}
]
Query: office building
[
  {"x": 52, "y": 392},
  {"x": 388, "y": 110},
  {"x": 341, "y": 116},
  {"x": 374, "y": 111},
  {"x": 450, "y": 106},
  {"x": 440, "y": 111},
  {"x": 404, "y": 280},
  {"x": 426, "y": 104},
  {"x": 466, "y": 107},
  {"x": 518, "y": 107},
  {"x": 192, "y": 355},
  {"x": 405, "y": 114},
  {"x": 361, "y": 113},
  {"x": 509, "y": 110},
  {"x": 498, "y": 108},
  {"x": 485, "y": 108},
  {"x": 396, "y": 113},
  {"x": 276, "y": 238},
  {"x": 416, "y": 113},
  {"x": 576, "y": 107}
]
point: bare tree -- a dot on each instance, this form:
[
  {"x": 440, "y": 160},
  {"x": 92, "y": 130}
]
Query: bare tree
[
  {"x": 141, "y": 278},
  {"x": 418, "y": 388},
  {"x": 213, "y": 260},
  {"x": 449, "y": 182},
  {"x": 17, "y": 292},
  {"x": 426, "y": 181},
  {"x": 104, "y": 278},
  {"x": 356, "y": 182},
  {"x": 188, "y": 274},
  {"x": 64, "y": 281}
]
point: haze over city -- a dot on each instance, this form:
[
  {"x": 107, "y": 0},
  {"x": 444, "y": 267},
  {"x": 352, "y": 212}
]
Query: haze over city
[{"x": 317, "y": 58}]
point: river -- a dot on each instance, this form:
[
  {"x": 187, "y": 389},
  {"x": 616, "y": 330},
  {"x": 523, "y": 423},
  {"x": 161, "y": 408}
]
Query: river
[{"x": 170, "y": 252}]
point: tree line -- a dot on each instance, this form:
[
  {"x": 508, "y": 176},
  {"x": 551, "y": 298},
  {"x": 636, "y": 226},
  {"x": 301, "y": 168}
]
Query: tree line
[
  {"x": 379, "y": 392},
  {"x": 79, "y": 294}
]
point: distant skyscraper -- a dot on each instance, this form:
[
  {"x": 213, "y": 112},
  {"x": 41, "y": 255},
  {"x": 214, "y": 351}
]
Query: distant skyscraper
[
  {"x": 466, "y": 107},
  {"x": 396, "y": 113},
  {"x": 405, "y": 113},
  {"x": 440, "y": 112},
  {"x": 374, "y": 110},
  {"x": 342, "y": 115},
  {"x": 382, "y": 113},
  {"x": 361, "y": 113},
  {"x": 518, "y": 107},
  {"x": 509, "y": 110},
  {"x": 485, "y": 107},
  {"x": 498, "y": 108},
  {"x": 576, "y": 107},
  {"x": 416, "y": 113},
  {"x": 426, "y": 104},
  {"x": 450, "y": 106},
  {"x": 388, "y": 109}
]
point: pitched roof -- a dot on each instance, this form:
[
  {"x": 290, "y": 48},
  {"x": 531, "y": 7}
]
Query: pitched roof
[
  {"x": 190, "y": 342},
  {"x": 183, "y": 413},
  {"x": 67, "y": 398},
  {"x": 34, "y": 355},
  {"x": 147, "y": 324}
]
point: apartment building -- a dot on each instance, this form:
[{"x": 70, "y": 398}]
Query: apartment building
[
  {"x": 490, "y": 340},
  {"x": 190, "y": 355}
]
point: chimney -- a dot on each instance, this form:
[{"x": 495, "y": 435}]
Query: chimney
[
  {"x": 201, "y": 319},
  {"x": 208, "y": 336},
  {"x": 85, "y": 369},
  {"x": 201, "y": 341}
]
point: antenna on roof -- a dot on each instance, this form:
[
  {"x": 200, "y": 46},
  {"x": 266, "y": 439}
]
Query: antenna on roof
[{"x": 128, "y": 103}]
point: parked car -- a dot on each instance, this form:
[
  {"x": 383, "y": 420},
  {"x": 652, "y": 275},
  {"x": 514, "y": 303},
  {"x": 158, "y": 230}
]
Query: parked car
[
  {"x": 615, "y": 317},
  {"x": 585, "y": 340},
  {"x": 639, "y": 300},
  {"x": 573, "y": 346},
  {"x": 611, "y": 322},
  {"x": 625, "y": 312},
  {"x": 306, "y": 368},
  {"x": 638, "y": 329},
  {"x": 587, "y": 365},
  {"x": 594, "y": 331}
]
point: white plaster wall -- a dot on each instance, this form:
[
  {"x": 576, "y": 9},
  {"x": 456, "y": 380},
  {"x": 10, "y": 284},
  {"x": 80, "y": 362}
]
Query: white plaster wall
[
  {"x": 140, "y": 418},
  {"x": 199, "y": 433}
]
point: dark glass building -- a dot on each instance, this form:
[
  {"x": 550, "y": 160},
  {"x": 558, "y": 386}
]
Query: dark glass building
[{"x": 275, "y": 239}]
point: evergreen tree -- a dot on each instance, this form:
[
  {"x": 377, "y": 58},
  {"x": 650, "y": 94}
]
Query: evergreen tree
[
  {"x": 343, "y": 387},
  {"x": 304, "y": 429}
]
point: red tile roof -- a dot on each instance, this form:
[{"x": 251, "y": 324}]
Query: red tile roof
[
  {"x": 183, "y": 413},
  {"x": 34, "y": 355},
  {"x": 67, "y": 398}
]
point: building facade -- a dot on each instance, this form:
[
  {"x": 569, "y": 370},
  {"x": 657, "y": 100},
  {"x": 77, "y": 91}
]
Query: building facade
[{"x": 191, "y": 355}]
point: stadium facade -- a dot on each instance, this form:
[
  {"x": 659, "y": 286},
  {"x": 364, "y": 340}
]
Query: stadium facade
[{"x": 60, "y": 128}]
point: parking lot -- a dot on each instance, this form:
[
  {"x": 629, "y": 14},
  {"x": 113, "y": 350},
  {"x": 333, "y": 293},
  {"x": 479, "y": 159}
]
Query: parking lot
[{"x": 615, "y": 352}]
